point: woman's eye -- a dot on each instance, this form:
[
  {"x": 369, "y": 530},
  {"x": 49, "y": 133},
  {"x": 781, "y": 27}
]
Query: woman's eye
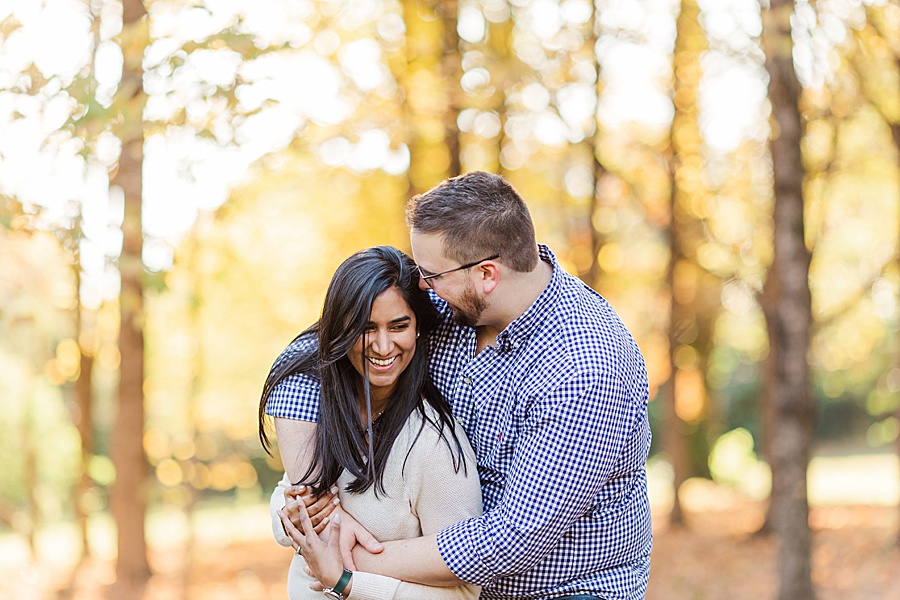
[{"x": 403, "y": 327}]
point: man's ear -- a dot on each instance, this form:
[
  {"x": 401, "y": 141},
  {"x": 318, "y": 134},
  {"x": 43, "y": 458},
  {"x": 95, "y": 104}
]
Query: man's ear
[{"x": 490, "y": 275}]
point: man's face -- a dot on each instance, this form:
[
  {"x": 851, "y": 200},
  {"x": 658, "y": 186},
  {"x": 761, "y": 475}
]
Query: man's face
[{"x": 456, "y": 288}]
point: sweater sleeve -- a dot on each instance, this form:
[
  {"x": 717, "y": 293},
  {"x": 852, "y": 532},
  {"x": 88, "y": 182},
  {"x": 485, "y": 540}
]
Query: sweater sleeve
[
  {"x": 276, "y": 502},
  {"x": 439, "y": 496}
]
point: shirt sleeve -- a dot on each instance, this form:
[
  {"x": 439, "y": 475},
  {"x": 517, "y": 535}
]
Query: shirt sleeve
[
  {"x": 565, "y": 452},
  {"x": 296, "y": 396},
  {"x": 439, "y": 497}
]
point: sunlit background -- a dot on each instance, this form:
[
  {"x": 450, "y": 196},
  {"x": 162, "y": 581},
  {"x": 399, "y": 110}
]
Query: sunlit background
[{"x": 282, "y": 135}]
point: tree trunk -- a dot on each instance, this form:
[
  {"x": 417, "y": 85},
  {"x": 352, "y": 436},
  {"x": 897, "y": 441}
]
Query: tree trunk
[
  {"x": 432, "y": 62},
  {"x": 29, "y": 426},
  {"x": 592, "y": 275},
  {"x": 451, "y": 69},
  {"x": 128, "y": 498},
  {"x": 893, "y": 123},
  {"x": 503, "y": 72},
  {"x": 674, "y": 440},
  {"x": 895, "y": 133},
  {"x": 766, "y": 409},
  {"x": 684, "y": 141},
  {"x": 83, "y": 392},
  {"x": 405, "y": 77},
  {"x": 84, "y": 424},
  {"x": 791, "y": 315}
]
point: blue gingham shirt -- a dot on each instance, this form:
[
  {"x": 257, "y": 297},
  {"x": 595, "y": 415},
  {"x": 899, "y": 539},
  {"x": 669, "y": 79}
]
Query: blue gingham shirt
[{"x": 557, "y": 414}]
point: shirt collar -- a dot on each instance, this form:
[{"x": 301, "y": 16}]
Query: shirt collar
[{"x": 516, "y": 334}]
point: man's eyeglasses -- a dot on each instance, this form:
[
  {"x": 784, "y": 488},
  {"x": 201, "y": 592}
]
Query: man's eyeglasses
[{"x": 427, "y": 278}]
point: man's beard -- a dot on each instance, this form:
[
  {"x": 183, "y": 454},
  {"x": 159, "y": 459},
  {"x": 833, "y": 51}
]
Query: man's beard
[{"x": 468, "y": 312}]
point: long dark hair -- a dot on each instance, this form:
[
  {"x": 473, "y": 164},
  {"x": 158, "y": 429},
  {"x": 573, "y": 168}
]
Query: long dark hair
[{"x": 340, "y": 443}]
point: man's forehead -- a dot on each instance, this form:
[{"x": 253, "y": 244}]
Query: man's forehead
[{"x": 428, "y": 247}]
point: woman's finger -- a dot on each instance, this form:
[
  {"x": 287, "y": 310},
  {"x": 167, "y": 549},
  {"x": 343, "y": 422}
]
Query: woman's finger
[
  {"x": 309, "y": 498},
  {"x": 322, "y": 506},
  {"x": 334, "y": 536},
  {"x": 290, "y": 530},
  {"x": 306, "y": 524},
  {"x": 292, "y": 508},
  {"x": 295, "y": 491}
]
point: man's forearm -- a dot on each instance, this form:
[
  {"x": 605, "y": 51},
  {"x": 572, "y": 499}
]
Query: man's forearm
[{"x": 416, "y": 560}]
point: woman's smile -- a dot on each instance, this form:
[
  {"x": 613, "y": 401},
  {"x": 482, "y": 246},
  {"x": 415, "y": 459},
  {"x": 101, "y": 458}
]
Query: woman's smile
[
  {"x": 382, "y": 362},
  {"x": 388, "y": 344}
]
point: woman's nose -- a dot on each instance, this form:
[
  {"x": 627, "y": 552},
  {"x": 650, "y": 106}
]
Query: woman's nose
[{"x": 381, "y": 342}]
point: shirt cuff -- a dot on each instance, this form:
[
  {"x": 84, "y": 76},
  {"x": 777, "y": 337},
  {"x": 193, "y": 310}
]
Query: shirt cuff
[{"x": 467, "y": 551}]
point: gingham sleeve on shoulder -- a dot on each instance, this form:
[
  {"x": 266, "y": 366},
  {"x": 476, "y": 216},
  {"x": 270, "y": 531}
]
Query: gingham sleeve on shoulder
[{"x": 297, "y": 397}]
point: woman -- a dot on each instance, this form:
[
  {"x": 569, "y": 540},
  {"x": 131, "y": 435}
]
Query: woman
[{"x": 385, "y": 436}]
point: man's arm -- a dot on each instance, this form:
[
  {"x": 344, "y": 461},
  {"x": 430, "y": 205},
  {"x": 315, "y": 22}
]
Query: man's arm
[
  {"x": 563, "y": 456},
  {"x": 570, "y": 444},
  {"x": 416, "y": 560},
  {"x": 322, "y": 561}
]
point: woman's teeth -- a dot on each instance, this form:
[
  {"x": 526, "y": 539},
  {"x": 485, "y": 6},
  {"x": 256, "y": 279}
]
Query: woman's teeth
[{"x": 378, "y": 362}]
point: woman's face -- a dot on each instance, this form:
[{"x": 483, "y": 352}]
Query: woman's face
[{"x": 388, "y": 345}]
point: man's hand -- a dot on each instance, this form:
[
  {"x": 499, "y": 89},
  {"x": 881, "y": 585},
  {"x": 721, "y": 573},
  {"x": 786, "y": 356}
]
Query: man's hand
[
  {"x": 351, "y": 534},
  {"x": 318, "y": 507}
]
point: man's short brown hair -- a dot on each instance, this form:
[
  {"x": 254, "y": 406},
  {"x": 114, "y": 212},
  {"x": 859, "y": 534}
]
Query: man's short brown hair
[{"x": 478, "y": 215}]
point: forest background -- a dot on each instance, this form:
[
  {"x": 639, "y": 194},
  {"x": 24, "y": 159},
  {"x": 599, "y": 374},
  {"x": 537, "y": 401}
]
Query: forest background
[{"x": 180, "y": 178}]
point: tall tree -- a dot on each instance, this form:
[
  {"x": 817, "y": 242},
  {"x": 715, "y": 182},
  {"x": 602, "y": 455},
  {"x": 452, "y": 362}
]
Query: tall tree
[
  {"x": 592, "y": 274},
  {"x": 451, "y": 71},
  {"x": 684, "y": 145},
  {"x": 82, "y": 390},
  {"x": 497, "y": 49},
  {"x": 875, "y": 40},
  {"x": 429, "y": 76},
  {"x": 790, "y": 316},
  {"x": 128, "y": 498}
]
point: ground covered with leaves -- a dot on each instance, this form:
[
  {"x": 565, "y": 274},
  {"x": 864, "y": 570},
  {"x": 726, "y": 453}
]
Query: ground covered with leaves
[
  {"x": 715, "y": 555},
  {"x": 718, "y": 555}
]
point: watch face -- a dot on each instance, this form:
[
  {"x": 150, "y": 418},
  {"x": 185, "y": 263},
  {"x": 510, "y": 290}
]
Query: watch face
[{"x": 332, "y": 594}]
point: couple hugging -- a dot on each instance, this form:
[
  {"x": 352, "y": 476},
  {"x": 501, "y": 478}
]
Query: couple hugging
[{"x": 473, "y": 423}]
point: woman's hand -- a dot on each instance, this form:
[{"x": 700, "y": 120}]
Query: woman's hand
[
  {"x": 322, "y": 553},
  {"x": 319, "y": 507}
]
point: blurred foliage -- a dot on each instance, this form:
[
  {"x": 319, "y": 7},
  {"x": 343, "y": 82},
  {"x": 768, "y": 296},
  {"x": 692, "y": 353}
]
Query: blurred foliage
[{"x": 340, "y": 109}]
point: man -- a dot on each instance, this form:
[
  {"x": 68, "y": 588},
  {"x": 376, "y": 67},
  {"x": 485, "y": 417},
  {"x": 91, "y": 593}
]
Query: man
[{"x": 552, "y": 391}]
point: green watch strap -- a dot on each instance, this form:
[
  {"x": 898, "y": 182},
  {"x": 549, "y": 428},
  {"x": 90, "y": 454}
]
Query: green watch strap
[{"x": 342, "y": 582}]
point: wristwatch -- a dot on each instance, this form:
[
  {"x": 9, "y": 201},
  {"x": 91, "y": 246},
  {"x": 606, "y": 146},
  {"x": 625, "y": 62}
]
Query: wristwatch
[{"x": 337, "y": 592}]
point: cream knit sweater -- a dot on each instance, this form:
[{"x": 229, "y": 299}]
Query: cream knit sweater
[{"x": 420, "y": 499}]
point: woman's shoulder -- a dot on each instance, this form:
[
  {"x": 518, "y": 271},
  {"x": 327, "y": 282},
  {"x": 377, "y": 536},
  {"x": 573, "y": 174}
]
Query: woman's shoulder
[
  {"x": 428, "y": 416},
  {"x": 424, "y": 434}
]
